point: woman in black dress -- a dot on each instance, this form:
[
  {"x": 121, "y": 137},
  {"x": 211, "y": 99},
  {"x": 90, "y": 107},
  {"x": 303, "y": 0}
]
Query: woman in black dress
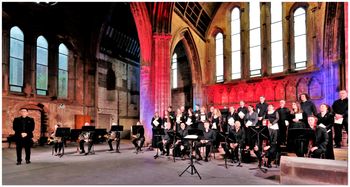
[{"x": 325, "y": 120}]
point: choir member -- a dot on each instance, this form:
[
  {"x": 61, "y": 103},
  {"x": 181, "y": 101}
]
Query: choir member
[
  {"x": 237, "y": 134},
  {"x": 251, "y": 118},
  {"x": 171, "y": 114},
  {"x": 325, "y": 119},
  {"x": 167, "y": 140},
  {"x": 306, "y": 105},
  {"x": 182, "y": 144},
  {"x": 210, "y": 114},
  {"x": 179, "y": 118},
  {"x": 183, "y": 111},
  {"x": 167, "y": 119},
  {"x": 261, "y": 109},
  {"x": 156, "y": 123},
  {"x": 340, "y": 108},
  {"x": 297, "y": 118},
  {"x": 242, "y": 110},
  {"x": 232, "y": 115},
  {"x": 207, "y": 141},
  {"x": 197, "y": 113},
  {"x": 274, "y": 144},
  {"x": 319, "y": 145},
  {"x": 190, "y": 119},
  {"x": 216, "y": 126},
  {"x": 283, "y": 113},
  {"x": 202, "y": 118}
]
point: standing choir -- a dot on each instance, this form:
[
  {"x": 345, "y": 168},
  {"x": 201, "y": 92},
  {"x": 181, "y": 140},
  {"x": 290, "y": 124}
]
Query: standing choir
[{"x": 233, "y": 128}]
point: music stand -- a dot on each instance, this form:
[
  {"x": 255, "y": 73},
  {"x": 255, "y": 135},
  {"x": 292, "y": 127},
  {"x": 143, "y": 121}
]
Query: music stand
[
  {"x": 117, "y": 128},
  {"x": 193, "y": 134},
  {"x": 303, "y": 135},
  {"x": 158, "y": 132},
  {"x": 174, "y": 135},
  {"x": 226, "y": 139},
  {"x": 99, "y": 134},
  {"x": 261, "y": 133},
  {"x": 62, "y": 132},
  {"x": 88, "y": 128}
]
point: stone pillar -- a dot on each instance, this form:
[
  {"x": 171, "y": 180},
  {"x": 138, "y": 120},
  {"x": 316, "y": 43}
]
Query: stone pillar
[
  {"x": 161, "y": 73},
  {"x": 5, "y": 61}
]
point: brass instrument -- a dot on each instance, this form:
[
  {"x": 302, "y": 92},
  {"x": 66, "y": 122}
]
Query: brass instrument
[
  {"x": 54, "y": 139},
  {"x": 112, "y": 135},
  {"x": 85, "y": 136}
]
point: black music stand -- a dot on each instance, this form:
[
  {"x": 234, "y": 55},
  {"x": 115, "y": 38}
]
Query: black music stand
[
  {"x": 117, "y": 128},
  {"x": 261, "y": 133},
  {"x": 199, "y": 134},
  {"x": 74, "y": 134},
  {"x": 302, "y": 135},
  {"x": 99, "y": 135},
  {"x": 158, "y": 132},
  {"x": 135, "y": 130},
  {"x": 227, "y": 143},
  {"x": 88, "y": 128},
  {"x": 62, "y": 132}
]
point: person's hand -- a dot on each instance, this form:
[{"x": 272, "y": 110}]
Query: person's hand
[
  {"x": 266, "y": 148},
  {"x": 295, "y": 120},
  {"x": 23, "y": 134},
  {"x": 313, "y": 149},
  {"x": 338, "y": 116},
  {"x": 235, "y": 145},
  {"x": 246, "y": 147},
  {"x": 260, "y": 118}
]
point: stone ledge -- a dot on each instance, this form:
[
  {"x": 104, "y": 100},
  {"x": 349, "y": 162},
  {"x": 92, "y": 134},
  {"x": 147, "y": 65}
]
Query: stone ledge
[{"x": 297, "y": 170}]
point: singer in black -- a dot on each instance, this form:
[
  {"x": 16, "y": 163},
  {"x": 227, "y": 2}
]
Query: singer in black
[
  {"x": 261, "y": 109},
  {"x": 340, "y": 108},
  {"x": 325, "y": 119},
  {"x": 167, "y": 140},
  {"x": 140, "y": 136},
  {"x": 319, "y": 145},
  {"x": 306, "y": 105},
  {"x": 23, "y": 127},
  {"x": 242, "y": 109},
  {"x": 156, "y": 123},
  {"x": 283, "y": 122},
  {"x": 207, "y": 141}
]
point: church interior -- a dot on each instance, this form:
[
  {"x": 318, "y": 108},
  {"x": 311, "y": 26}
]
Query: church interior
[{"x": 72, "y": 63}]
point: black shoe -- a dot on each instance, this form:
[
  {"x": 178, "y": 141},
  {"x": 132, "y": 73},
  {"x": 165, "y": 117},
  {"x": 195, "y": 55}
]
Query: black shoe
[
  {"x": 337, "y": 146},
  {"x": 18, "y": 163},
  {"x": 110, "y": 149},
  {"x": 199, "y": 158},
  {"x": 82, "y": 152},
  {"x": 235, "y": 161},
  {"x": 206, "y": 159},
  {"x": 117, "y": 151},
  {"x": 87, "y": 153},
  {"x": 28, "y": 162},
  {"x": 163, "y": 153}
]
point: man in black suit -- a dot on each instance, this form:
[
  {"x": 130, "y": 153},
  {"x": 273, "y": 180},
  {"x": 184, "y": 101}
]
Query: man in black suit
[
  {"x": 207, "y": 141},
  {"x": 23, "y": 127},
  {"x": 261, "y": 109}
]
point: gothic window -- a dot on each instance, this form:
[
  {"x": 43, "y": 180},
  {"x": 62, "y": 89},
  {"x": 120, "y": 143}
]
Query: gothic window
[
  {"x": 219, "y": 53},
  {"x": 254, "y": 39},
  {"x": 41, "y": 66},
  {"x": 300, "y": 38},
  {"x": 174, "y": 70},
  {"x": 16, "y": 59},
  {"x": 276, "y": 37},
  {"x": 62, "y": 71},
  {"x": 236, "y": 43}
]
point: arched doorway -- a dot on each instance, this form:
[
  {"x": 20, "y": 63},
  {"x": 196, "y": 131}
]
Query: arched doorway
[{"x": 181, "y": 78}]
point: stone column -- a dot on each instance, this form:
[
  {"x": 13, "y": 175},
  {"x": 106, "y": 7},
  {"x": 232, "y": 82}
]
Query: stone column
[{"x": 161, "y": 73}]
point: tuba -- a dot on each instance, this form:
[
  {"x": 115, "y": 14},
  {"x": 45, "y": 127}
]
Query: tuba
[{"x": 84, "y": 136}]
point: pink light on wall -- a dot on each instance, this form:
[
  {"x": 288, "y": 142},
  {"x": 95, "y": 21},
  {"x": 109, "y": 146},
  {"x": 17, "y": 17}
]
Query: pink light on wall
[{"x": 346, "y": 44}]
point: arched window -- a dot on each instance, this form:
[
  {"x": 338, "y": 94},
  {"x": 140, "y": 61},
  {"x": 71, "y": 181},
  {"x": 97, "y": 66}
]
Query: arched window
[
  {"x": 62, "y": 71},
  {"x": 276, "y": 37},
  {"x": 300, "y": 39},
  {"x": 236, "y": 43},
  {"x": 16, "y": 59},
  {"x": 174, "y": 70},
  {"x": 41, "y": 66},
  {"x": 254, "y": 41},
  {"x": 219, "y": 52}
]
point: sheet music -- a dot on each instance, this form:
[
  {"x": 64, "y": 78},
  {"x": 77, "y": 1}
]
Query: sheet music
[
  {"x": 202, "y": 118},
  {"x": 156, "y": 123},
  {"x": 241, "y": 114},
  {"x": 191, "y": 136},
  {"x": 178, "y": 120},
  {"x": 249, "y": 123},
  {"x": 231, "y": 121},
  {"x": 299, "y": 116},
  {"x": 258, "y": 110},
  {"x": 286, "y": 122},
  {"x": 214, "y": 126},
  {"x": 321, "y": 125},
  {"x": 189, "y": 121},
  {"x": 338, "y": 121}
]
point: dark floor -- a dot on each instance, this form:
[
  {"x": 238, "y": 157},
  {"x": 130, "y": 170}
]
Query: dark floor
[{"x": 123, "y": 168}]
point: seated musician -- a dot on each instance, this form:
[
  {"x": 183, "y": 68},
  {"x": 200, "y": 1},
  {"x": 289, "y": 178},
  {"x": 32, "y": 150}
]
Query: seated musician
[
  {"x": 57, "y": 141},
  {"x": 85, "y": 137},
  {"x": 140, "y": 136},
  {"x": 114, "y": 136},
  {"x": 237, "y": 134},
  {"x": 182, "y": 145},
  {"x": 319, "y": 145},
  {"x": 207, "y": 141},
  {"x": 167, "y": 140}
]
